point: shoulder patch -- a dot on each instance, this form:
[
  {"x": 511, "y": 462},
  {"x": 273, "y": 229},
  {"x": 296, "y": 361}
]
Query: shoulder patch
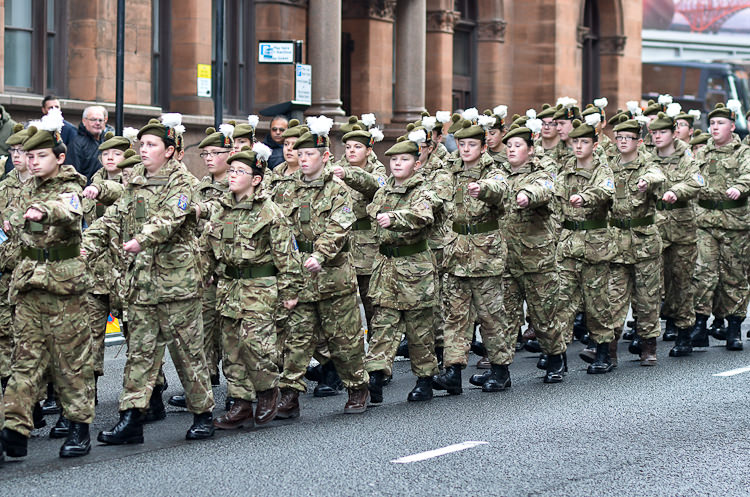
[
  {"x": 71, "y": 201},
  {"x": 294, "y": 244},
  {"x": 698, "y": 177},
  {"x": 499, "y": 177},
  {"x": 608, "y": 184},
  {"x": 547, "y": 184},
  {"x": 381, "y": 181},
  {"x": 182, "y": 202}
]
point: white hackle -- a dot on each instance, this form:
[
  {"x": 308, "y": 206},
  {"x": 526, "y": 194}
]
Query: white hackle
[
  {"x": 320, "y": 125},
  {"x": 52, "y": 121},
  {"x": 171, "y": 119},
  {"x": 443, "y": 116},
  {"x": 368, "y": 120},
  {"x": 253, "y": 120},
  {"x": 226, "y": 130},
  {"x": 501, "y": 111},
  {"x": 673, "y": 109},
  {"x": 593, "y": 119},
  {"x": 418, "y": 136},
  {"x": 261, "y": 151},
  {"x": 376, "y": 134},
  {"x": 601, "y": 103},
  {"x": 486, "y": 121}
]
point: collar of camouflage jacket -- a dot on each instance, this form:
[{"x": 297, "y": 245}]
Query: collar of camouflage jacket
[{"x": 67, "y": 173}]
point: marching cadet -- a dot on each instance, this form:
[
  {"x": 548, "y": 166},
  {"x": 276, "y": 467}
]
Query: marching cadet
[
  {"x": 157, "y": 225},
  {"x": 566, "y": 111},
  {"x": 321, "y": 209},
  {"x": 675, "y": 218},
  {"x": 635, "y": 272},
  {"x": 684, "y": 123},
  {"x": 252, "y": 240},
  {"x": 279, "y": 180},
  {"x": 605, "y": 146},
  {"x": 244, "y": 134},
  {"x": 652, "y": 112},
  {"x": 698, "y": 140},
  {"x": 584, "y": 188},
  {"x": 495, "y": 143},
  {"x": 720, "y": 276},
  {"x": 404, "y": 280},
  {"x": 548, "y": 138},
  {"x": 48, "y": 290},
  {"x": 474, "y": 259}
]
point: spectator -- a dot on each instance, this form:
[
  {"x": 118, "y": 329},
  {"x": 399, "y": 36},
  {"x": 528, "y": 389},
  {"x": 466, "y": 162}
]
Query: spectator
[
  {"x": 85, "y": 146},
  {"x": 6, "y": 129},
  {"x": 69, "y": 130},
  {"x": 275, "y": 141}
]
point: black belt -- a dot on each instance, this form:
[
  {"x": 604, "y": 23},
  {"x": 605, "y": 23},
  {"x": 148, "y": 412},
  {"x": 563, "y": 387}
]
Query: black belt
[
  {"x": 51, "y": 254},
  {"x": 248, "y": 272},
  {"x": 403, "y": 250},
  {"x": 663, "y": 206},
  {"x": 588, "y": 224},
  {"x": 308, "y": 247},
  {"x": 472, "y": 229},
  {"x": 363, "y": 224},
  {"x": 635, "y": 222},
  {"x": 720, "y": 205}
]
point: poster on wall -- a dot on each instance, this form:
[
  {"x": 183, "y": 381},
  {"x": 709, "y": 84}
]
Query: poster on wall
[{"x": 724, "y": 17}]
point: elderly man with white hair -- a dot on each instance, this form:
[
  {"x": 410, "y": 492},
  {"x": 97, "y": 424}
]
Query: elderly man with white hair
[{"x": 84, "y": 150}]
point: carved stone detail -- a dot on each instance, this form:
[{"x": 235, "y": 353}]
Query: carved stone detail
[
  {"x": 442, "y": 21},
  {"x": 612, "y": 45},
  {"x": 492, "y": 30},
  {"x": 582, "y": 33},
  {"x": 382, "y": 10}
]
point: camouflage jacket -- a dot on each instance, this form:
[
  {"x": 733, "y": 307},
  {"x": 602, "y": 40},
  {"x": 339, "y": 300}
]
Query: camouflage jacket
[
  {"x": 408, "y": 282},
  {"x": 59, "y": 199},
  {"x": 635, "y": 243},
  {"x": 596, "y": 186},
  {"x": 362, "y": 243},
  {"x": 156, "y": 211},
  {"x": 207, "y": 194},
  {"x": 498, "y": 157},
  {"x": 277, "y": 184},
  {"x": 10, "y": 189},
  {"x": 475, "y": 254},
  {"x": 677, "y": 224},
  {"x": 109, "y": 191},
  {"x": 321, "y": 211},
  {"x": 531, "y": 232},
  {"x": 439, "y": 181},
  {"x": 608, "y": 147},
  {"x": 247, "y": 234},
  {"x": 724, "y": 167}
]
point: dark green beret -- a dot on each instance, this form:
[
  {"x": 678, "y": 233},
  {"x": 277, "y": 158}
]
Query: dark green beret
[
  {"x": 359, "y": 135},
  {"x": 131, "y": 159},
  {"x": 309, "y": 140},
  {"x": 582, "y": 130},
  {"x": 547, "y": 111},
  {"x": 456, "y": 124},
  {"x": 156, "y": 128},
  {"x": 626, "y": 124},
  {"x": 351, "y": 122},
  {"x": 567, "y": 113},
  {"x": 469, "y": 131},
  {"x": 216, "y": 139},
  {"x": 19, "y": 135},
  {"x": 721, "y": 110},
  {"x": 403, "y": 146},
  {"x": 662, "y": 121},
  {"x": 517, "y": 131},
  {"x": 699, "y": 137},
  {"x": 38, "y": 139},
  {"x": 112, "y": 141}
]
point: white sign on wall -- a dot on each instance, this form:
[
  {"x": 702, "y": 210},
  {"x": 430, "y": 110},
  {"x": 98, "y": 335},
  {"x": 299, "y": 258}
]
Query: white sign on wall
[
  {"x": 276, "y": 52},
  {"x": 303, "y": 84}
]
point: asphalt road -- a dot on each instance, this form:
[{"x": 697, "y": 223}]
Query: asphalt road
[{"x": 672, "y": 430}]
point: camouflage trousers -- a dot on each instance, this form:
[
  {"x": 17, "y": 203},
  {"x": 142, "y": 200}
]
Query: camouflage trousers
[
  {"x": 720, "y": 275},
  {"x": 249, "y": 360},
  {"x": 678, "y": 265},
  {"x": 335, "y": 321},
  {"x": 6, "y": 327},
  {"x": 539, "y": 290},
  {"x": 637, "y": 285},
  {"x": 585, "y": 283},
  {"x": 483, "y": 298},
  {"x": 388, "y": 325},
  {"x": 363, "y": 283},
  {"x": 50, "y": 328},
  {"x": 98, "y": 309},
  {"x": 178, "y": 326},
  {"x": 438, "y": 317},
  {"x": 282, "y": 328},
  {"x": 212, "y": 327}
]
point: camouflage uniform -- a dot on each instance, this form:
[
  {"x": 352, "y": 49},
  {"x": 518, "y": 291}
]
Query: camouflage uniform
[
  {"x": 48, "y": 288},
  {"x": 530, "y": 271},
  {"x": 404, "y": 280},
  {"x": 209, "y": 190},
  {"x": 723, "y": 224},
  {"x": 246, "y": 244},
  {"x": 636, "y": 269},
  {"x": 322, "y": 214},
  {"x": 474, "y": 258},
  {"x": 677, "y": 227},
  {"x": 163, "y": 284},
  {"x": 585, "y": 248}
]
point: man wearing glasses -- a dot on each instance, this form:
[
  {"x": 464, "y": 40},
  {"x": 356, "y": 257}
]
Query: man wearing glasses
[
  {"x": 84, "y": 151},
  {"x": 275, "y": 141}
]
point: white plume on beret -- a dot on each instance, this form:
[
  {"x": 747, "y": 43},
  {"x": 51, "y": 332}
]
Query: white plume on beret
[
  {"x": 376, "y": 134},
  {"x": 601, "y": 102},
  {"x": 36, "y": 123},
  {"x": 486, "y": 121},
  {"x": 418, "y": 136},
  {"x": 443, "y": 116},
  {"x": 52, "y": 121},
  {"x": 665, "y": 99},
  {"x": 179, "y": 129},
  {"x": 171, "y": 119},
  {"x": 593, "y": 119},
  {"x": 253, "y": 120},
  {"x": 673, "y": 109},
  {"x": 567, "y": 102},
  {"x": 734, "y": 105},
  {"x": 471, "y": 114},
  {"x": 534, "y": 124},
  {"x": 226, "y": 130},
  {"x": 695, "y": 113},
  {"x": 531, "y": 114},
  {"x": 261, "y": 151},
  {"x": 368, "y": 120},
  {"x": 501, "y": 111},
  {"x": 633, "y": 107},
  {"x": 130, "y": 134},
  {"x": 429, "y": 123},
  {"x": 320, "y": 125},
  {"x": 641, "y": 119}
]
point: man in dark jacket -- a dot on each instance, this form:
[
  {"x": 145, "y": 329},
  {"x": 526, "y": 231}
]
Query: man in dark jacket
[
  {"x": 6, "y": 129},
  {"x": 85, "y": 147},
  {"x": 275, "y": 141}
]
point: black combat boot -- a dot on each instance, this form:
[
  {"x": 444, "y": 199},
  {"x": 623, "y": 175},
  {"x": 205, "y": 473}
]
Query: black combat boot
[
  {"x": 156, "y": 410},
  {"x": 330, "y": 384},
  {"x": 449, "y": 380},
  {"x": 403, "y": 348},
  {"x": 734, "y": 332},
  {"x": 580, "y": 330},
  {"x": 682, "y": 346},
  {"x": 15, "y": 444},
  {"x": 478, "y": 379},
  {"x": 314, "y": 373},
  {"x": 61, "y": 428},
  {"x": 478, "y": 348},
  {"x": 499, "y": 379},
  {"x": 422, "y": 391},
  {"x": 50, "y": 404},
  {"x": 699, "y": 335},
  {"x": 602, "y": 364},
  {"x": 588, "y": 355},
  {"x": 38, "y": 416},
  {"x": 635, "y": 345},
  {"x": 178, "y": 401},
  {"x": 630, "y": 334},
  {"x": 718, "y": 329},
  {"x": 129, "y": 430},
  {"x": 556, "y": 365},
  {"x": 376, "y": 386},
  {"x": 78, "y": 442},
  {"x": 203, "y": 427},
  {"x": 542, "y": 362},
  {"x": 670, "y": 331}
]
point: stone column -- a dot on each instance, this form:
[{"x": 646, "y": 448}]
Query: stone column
[
  {"x": 441, "y": 19},
  {"x": 191, "y": 45},
  {"x": 411, "y": 25},
  {"x": 324, "y": 54},
  {"x": 492, "y": 63}
]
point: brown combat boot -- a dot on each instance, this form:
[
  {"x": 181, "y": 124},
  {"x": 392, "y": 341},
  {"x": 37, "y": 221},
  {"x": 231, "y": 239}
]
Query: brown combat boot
[
  {"x": 648, "y": 352},
  {"x": 268, "y": 406},
  {"x": 357, "y": 402},
  {"x": 289, "y": 404},
  {"x": 613, "y": 352},
  {"x": 240, "y": 415}
]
